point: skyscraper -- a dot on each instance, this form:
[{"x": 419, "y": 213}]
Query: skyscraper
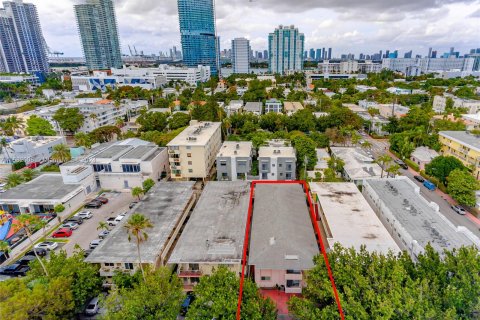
[
  {"x": 324, "y": 53},
  {"x": 241, "y": 55},
  {"x": 265, "y": 54},
  {"x": 97, "y": 25},
  {"x": 329, "y": 53},
  {"x": 22, "y": 46},
  {"x": 286, "y": 46},
  {"x": 312, "y": 54},
  {"x": 319, "y": 55},
  {"x": 408, "y": 54},
  {"x": 197, "y": 31}
]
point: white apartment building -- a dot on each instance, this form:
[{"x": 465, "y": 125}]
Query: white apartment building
[
  {"x": 440, "y": 102},
  {"x": 234, "y": 160},
  {"x": 190, "y": 75},
  {"x": 273, "y": 105},
  {"x": 101, "y": 80},
  {"x": 277, "y": 161},
  {"x": 193, "y": 152},
  {"x": 415, "y": 66},
  {"x": 235, "y": 106},
  {"x": 29, "y": 149},
  {"x": 285, "y": 47},
  {"x": 348, "y": 66},
  {"x": 241, "y": 55}
]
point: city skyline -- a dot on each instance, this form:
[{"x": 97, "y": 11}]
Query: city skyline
[{"x": 153, "y": 26}]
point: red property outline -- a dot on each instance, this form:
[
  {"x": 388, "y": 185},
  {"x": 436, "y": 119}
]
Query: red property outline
[{"x": 315, "y": 227}]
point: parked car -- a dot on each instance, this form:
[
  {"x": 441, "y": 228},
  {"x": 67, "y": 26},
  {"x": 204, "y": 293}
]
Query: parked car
[
  {"x": 101, "y": 199},
  {"x": 87, "y": 252},
  {"x": 62, "y": 233},
  {"x": 74, "y": 219},
  {"x": 15, "y": 269},
  {"x": 70, "y": 225},
  {"x": 123, "y": 214},
  {"x": 33, "y": 165},
  {"x": 25, "y": 260},
  {"x": 119, "y": 217},
  {"x": 93, "y": 205},
  {"x": 429, "y": 185},
  {"x": 95, "y": 243},
  {"x": 22, "y": 272},
  {"x": 84, "y": 215},
  {"x": 92, "y": 307},
  {"x": 401, "y": 164},
  {"x": 103, "y": 234},
  {"x": 186, "y": 304},
  {"x": 48, "y": 245},
  {"x": 112, "y": 221},
  {"x": 41, "y": 252},
  {"x": 419, "y": 178},
  {"x": 459, "y": 210},
  {"x": 3, "y": 185},
  {"x": 132, "y": 204}
]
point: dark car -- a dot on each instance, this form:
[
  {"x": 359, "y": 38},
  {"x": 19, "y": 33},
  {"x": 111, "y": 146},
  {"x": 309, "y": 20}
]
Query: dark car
[
  {"x": 133, "y": 204},
  {"x": 22, "y": 272},
  {"x": 26, "y": 260},
  {"x": 419, "y": 179},
  {"x": 186, "y": 304},
  {"x": 401, "y": 164},
  {"x": 101, "y": 199},
  {"x": 87, "y": 252},
  {"x": 93, "y": 205},
  {"x": 74, "y": 219},
  {"x": 10, "y": 270},
  {"x": 40, "y": 252}
]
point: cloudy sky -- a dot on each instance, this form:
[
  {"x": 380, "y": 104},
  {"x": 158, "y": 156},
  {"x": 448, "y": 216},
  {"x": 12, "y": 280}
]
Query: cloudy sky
[{"x": 345, "y": 25}]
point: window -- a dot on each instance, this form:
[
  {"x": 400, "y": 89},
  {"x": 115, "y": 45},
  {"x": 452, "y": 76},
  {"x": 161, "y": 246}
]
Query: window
[
  {"x": 129, "y": 266},
  {"x": 289, "y": 166},
  {"x": 288, "y": 176},
  {"x": 273, "y": 165},
  {"x": 293, "y": 283},
  {"x": 109, "y": 264},
  {"x": 265, "y": 278},
  {"x": 190, "y": 170},
  {"x": 102, "y": 167},
  {"x": 193, "y": 267},
  {"x": 131, "y": 167},
  {"x": 189, "y": 155},
  {"x": 223, "y": 163},
  {"x": 189, "y": 147},
  {"x": 189, "y": 163},
  {"x": 264, "y": 175},
  {"x": 279, "y": 165},
  {"x": 264, "y": 166},
  {"x": 291, "y": 271},
  {"x": 242, "y": 163}
]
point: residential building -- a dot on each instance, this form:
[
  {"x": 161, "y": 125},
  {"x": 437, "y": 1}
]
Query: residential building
[
  {"x": 358, "y": 165},
  {"x": 347, "y": 218},
  {"x": 102, "y": 81},
  {"x": 234, "y": 160},
  {"x": 389, "y": 110},
  {"x": 97, "y": 26},
  {"x": 464, "y": 146},
  {"x": 423, "y": 156},
  {"x": 472, "y": 121},
  {"x": 377, "y": 123},
  {"x": 282, "y": 239},
  {"x": 22, "y": 46},
  {"x": 118, "y": 254},
  {"x": 398, "y": 91},
  {"x": 241, "y": 55},
  {"x": 42, "y": 194},
  {"x": 427, "y": 65},
  {"x": 198, "y": 35},
  {"x": 254, "y": 107},
  {"x": 412, "y": 221},
  {"x": 122, "y": 165},
  {"x": 440, "y": 102},
  {"x": 328, "y": 66},
  {"x": 235, "y": 106},
  {"x": 292, "y": 107},
  {"x": 192, "y": 75},
  {"x": 362, "y": 88},
  {"x": 277, "y": 161},
  {"x": 273, "y": 105},
  {"x": 286, "y": 46},
  {"x": 215, "y": 232},
  {"x": 29, "y": 149},
  {"x": 193, "y": 152}
]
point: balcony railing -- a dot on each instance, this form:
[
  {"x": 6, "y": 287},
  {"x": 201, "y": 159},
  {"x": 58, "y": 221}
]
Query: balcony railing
[{"x": 189, "y": 273}]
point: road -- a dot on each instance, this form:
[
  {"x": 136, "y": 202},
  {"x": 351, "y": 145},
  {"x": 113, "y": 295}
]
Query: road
[{"x": 380, "y": 147}]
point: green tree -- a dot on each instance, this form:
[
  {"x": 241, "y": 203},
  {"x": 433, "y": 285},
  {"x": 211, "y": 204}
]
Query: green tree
[
  {"x": 178, "y": 120},
  {"x": 216, "y": 297},
  {"x": 69, "y": 119},
  {"x": 137, "y": 192},
  {"x": 4, "y": 147},
  {"x": 11, "y": 125},
  {"x": 336, "y": 164},
  {"x": 61, "y": 153},
  {"x": 393, "y": 170},
  {"x": 151, "y": 121},
  {"x": 135, "y": 226},
  {"x": 158, "y": 297},
  {"x": 37, "y": 126},
  {"x": 5, "y": 248},
  {"x": 13, "y": 180},
  {"x": 28, "y": 175},
  {"x": 208, "y": 112},
  {"x": 102, "y": 225},
  {"x": 302, "y": 120},
  {"x": 59, "y": 208},
  {"x": 83, "y": 140},
  {"x": 462, "y": 187},
  {"x": 105, "y": 134},
  {"x": 321, "y": 139},
  {"x": 440, "y": 167},
  {"x": 147, "y": 185},
  {"x": 29, "y": 223},
  {"x": 305, "y": 148},
  {"x": 384, "y": 160}
]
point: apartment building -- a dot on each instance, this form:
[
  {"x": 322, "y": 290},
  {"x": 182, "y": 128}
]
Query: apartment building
[
  {"x": 464, "y": 146},
  {"x": 102, "y": 80},
  {"x": 277, "y": 161},
  {"x": 190, "y": 75},
  {"x": 358, "y": 165},
  {"x": 29, "y": 149},
  {"x": 235, "y": 106},
  {"x": 215, "y": 232},
  {"x": 234, "y": 160},
  {"x": 193, "y": 152},
  {"x": 292, "y": 107},
  {"x": 440, "y": 102},
  {"x": 273, "y": 105}
]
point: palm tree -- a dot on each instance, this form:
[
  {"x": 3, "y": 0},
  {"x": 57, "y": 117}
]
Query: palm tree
[
  {"x": 13, "y": 180},
  {"x": 61, "y": 153},
  {"x": 393, "y": 169},
  {"x": 366, "y": 145},
  {"x": 119, "y": 122},
  {"x": 102, "y": 225},
  {"x": 4, "y": 147},
  {"x": 137, "y": 192},
  {"x": 383, "y": 161},
  {"x": 94, "y": 117},
  {"x": 29, "y": 222},
  {"x": 12, "y": 124},
  {"x": 136, "y": 225},
  {"x": 28, "y": 174},
  {"x": 5, "y": 248}
]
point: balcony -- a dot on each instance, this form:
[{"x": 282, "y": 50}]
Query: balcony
[{"x": 189, "y": 273}]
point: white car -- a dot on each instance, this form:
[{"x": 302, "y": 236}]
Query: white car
[
  {"x": 123, "y": 214},
  {"x": 3, "y": 184},
  {"x": 92, "y": 307},
  {"x": 95, "y": 243},
  {"x": 119, "y": 217},
  {"x": 70, "y": 225},
  {"x": 47, "y": 245},
  {"x": 84, "y": 215}
]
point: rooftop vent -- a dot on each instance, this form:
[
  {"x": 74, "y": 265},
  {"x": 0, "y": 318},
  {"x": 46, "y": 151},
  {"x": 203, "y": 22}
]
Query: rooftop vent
[
  {"x": 272, "y": 241},
  {"x": 291, "y": 257},
  {"x": 238, "y": 146}
]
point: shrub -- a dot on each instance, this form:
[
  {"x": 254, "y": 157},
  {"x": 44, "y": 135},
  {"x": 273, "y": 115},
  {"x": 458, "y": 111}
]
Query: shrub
[
  {"x": 412, "y": 165},
  {"x": 18, "y": 165}
]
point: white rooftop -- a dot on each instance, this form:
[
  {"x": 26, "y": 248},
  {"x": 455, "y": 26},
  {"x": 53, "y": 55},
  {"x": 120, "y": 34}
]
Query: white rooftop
[
  {"x": 350, "y": 219},
  {"x": 197, "y": 134},
  {"x": 235, "y": 149},
  {"x": 463, "y": 137},
  {"x": 424, "y": 154},
  {"x": 358, "y": 165},
  {"x": 276, "y": 152},
  {"x": 37, "y": 141}
]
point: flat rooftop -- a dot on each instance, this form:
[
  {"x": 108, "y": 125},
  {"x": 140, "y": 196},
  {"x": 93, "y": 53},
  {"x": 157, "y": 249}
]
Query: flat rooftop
[
  {"x": 463, "y": 137},
  {"x": 113, "y": 152},
  {"x": 282, "y": 235},
  {"x": 350, "y": 219},
  {"x": 237, "y": 149},
  {"x": 418, "y": 218},
  {"x": 44, "y": 187},
  {"x": 216, "y": 229},
  {"x": 139, "y": 152},
  {"x": 37, "y": 141},
  {"x": 276, "y": 152},
  {"x": 196, "y": 134},
  {"x": 163, "y": 205},
  {"x": 358, "y": 165},
  {"x": 253, "y": 106},
  {"x": 292, "y": 106}
]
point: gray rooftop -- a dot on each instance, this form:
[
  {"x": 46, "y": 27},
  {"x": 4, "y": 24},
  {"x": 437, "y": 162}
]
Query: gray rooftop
[
  {"x": 163, "y": 205},
  {"x": 216, "y": 228},
  {"x": 138, "y": 153},
  {"x": 45, "y": 187},
  {"x": 253, "y": 107},
  {"x": 418, "y": 218},
  {"x": 282, "y": 235},
  {"x": 113, "y": 151},
  {"x": 463, "y": 137}
]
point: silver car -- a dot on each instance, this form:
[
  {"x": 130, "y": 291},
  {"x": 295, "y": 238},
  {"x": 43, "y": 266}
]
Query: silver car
[{"x": 459, "y": 210}]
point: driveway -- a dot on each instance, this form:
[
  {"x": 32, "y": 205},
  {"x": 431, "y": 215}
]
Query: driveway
[{"x": 87, "y": 231}]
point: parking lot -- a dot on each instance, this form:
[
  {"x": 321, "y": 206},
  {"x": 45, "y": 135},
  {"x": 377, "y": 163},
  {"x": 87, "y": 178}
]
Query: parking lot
[{"x": 87, "y": 231}]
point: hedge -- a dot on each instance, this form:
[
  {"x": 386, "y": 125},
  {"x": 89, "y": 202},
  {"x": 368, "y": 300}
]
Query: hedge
[
  {"x": 435, "y": 181},
  {"x": 18, "y": 165},
  {"x": 412, "y": 164}
]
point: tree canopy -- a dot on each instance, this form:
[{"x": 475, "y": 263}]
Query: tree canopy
[
  {"x": 37, "y": 126},
  {"x": 462, "y": 186},
  {"x": 69, "y": 119},
  {"x": 441, "y": 166}
]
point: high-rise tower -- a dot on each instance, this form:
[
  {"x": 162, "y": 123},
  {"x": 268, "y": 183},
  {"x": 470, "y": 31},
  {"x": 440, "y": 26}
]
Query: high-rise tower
[
  {"x": 286, "y": 48},
  {"x": 241, "y": 55}
]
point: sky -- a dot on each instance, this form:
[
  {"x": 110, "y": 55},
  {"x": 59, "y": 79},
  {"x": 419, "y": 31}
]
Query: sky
[{"x": 347, "y": 26}]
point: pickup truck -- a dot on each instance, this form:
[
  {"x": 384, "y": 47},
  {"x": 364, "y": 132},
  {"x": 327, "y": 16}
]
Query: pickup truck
[{"x": 114, "y": 221}]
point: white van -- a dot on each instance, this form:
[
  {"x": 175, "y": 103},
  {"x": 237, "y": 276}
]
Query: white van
[{"x": 92, "y": 307}]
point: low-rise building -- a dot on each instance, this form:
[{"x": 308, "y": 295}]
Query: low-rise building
[
  {"x": 472, "y": 121},
  {"x": 358, "y": 165},
  {"x": 377, "y": 123},
  {"x": 363, "y": 88},
  {"x": 167, "y": 206},
  {"x": 254, "y": 107},
  {"x": 234, "y": 160},
  {"x": 389, "y": 110},
  {"x": 412, "y": 221},
  {"x": 30, "y": 149},
  {"x": 235, "y": 106},
  {"x": 282, "y": 239},
  {"x": 423, "y": 156},
  {"x": 215, "y": 232},
  {"x": 347, "y": 218},
  {"x": 273, "y": 105},
  {"x": 193, "y": 152},
  {"x": 440, "y": 103},
  {"x": 464, "y": 146},
  {"x": 101, "y": 80},
  {"x": 292, "y": 107},
  {"x": 277, "y": 161}
]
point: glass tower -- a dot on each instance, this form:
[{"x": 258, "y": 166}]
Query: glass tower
[
  {"x": 97, "y": 25},
  {"x": 197, "y": 31},
  {"x": 22, "y": 46},
  {"x": 286, "y": 48}
]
